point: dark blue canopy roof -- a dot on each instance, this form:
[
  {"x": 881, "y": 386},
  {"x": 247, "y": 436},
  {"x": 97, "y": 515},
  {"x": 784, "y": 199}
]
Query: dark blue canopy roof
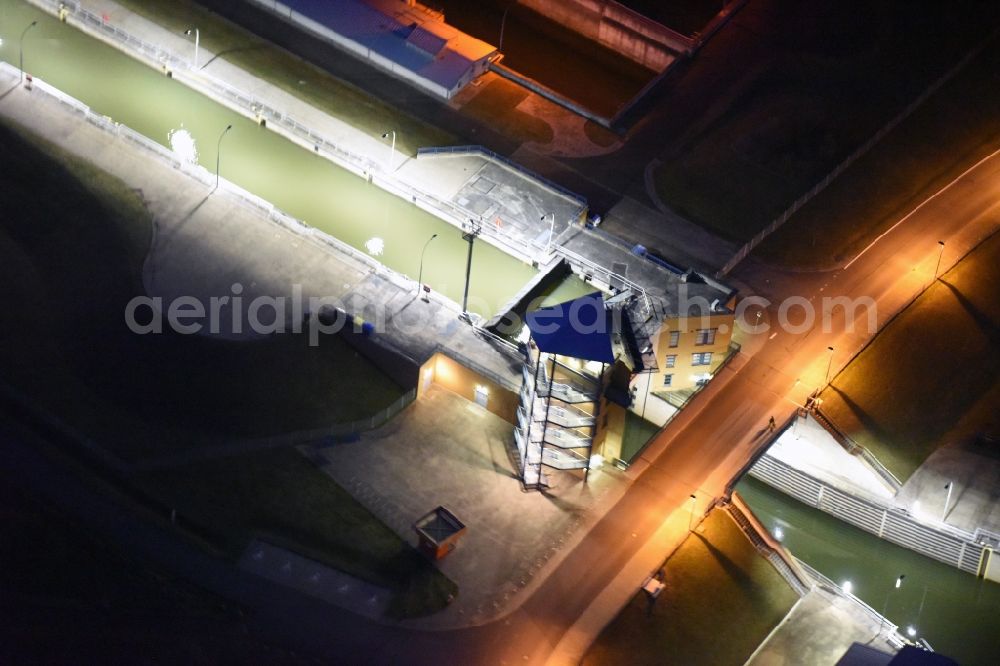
[{"x": 580, "y": 328}]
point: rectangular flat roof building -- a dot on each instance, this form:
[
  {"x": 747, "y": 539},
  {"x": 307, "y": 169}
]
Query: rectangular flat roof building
[{"x": 400, "y": 36}]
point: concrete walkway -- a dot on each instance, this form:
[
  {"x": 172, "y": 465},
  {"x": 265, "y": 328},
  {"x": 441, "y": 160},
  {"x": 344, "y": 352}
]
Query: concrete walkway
[
  {"x": 446, "y": 450},
  {"x": 808, "y": 447},
  {"x": 818, "y": 631}
]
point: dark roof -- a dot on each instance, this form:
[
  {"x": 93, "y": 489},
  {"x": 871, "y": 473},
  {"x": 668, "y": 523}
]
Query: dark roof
[
  {"x": 433, "y": 50},
  {"x": 580, "y": 328}
]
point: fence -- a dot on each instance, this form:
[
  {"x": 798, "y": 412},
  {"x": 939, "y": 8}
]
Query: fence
[
  {"x": 759, "y": 537},
  {"x": 588, "y": 267},
  {"x": 742, "y": 253},
  {"x": 950, "y": 545},
  {"x": 286, "y": 124},
  {"x": 856, "y": 449},
  {"x": 246, "y": 199},
  {"x": 799, "y": 575},
  {"x": 892, "y": 631}
]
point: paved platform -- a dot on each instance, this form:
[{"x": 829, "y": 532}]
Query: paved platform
[
  {"x": 446, "y": 450},
  {"x": 807, "y": 446},
  {"x": 818, "y": 631},
  {"x": 974, "y": 471}
]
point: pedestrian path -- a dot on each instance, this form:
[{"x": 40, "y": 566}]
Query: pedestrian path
[{"x": 292, "y": 570}]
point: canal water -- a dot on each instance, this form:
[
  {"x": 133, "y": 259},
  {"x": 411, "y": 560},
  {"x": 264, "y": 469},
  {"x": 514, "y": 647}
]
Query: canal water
[
  {"x": 299, "y": 182},
  {"x": 956, "y": 612}
]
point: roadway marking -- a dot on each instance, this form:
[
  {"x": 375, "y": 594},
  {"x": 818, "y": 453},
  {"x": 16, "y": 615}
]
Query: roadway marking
[{"x": 922, "y": 204}]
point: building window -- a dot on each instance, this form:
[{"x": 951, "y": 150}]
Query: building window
[
  {"x": 706, "y": 336},
  {"x": 704, "y": 358},
  {"x": 671, "y": 360},
  {"x": 668, "y": 380},
  {"x": 675, "y": 338}
]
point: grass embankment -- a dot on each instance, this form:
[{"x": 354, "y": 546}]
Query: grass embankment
[
  {"x": 74, "y": 242},
  {"x": 67, "y": 596},
  {"x": 71, "y": 250},
  {"x": 932, "y": 376},
  {"x": 292, "y": 74},
  {"x": 282, "y": 498},
  {"x": 831, "y": 75},
  {"x": 720, "y": 602},
  {"x": 951, "y": 131}
]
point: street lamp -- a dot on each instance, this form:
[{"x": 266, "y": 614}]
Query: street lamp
[
  {"x": 829, "y": 364},
  {"x": 885, "y": 606},
  {"x": 470, "y": 238},
  {"x": 20, "y": 49},
  {"x": 503, "y": 22},
  {"x": 420, "y": 275},
  {"x": 694, "y": 499},
  {"x": 938, "y": 265},
  {"x": 197, "y": 42},
  {"x": 218, "y": 154},
  {"x": 552, "y": 226},
  {"x": 947, "y": 500},
  {"x": 392, "y": 150}
]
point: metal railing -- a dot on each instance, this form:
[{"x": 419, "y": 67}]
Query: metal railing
[
  {"x": 733, "y": 350},
  {"x": 247, "y": 200},
  {"x": 892, "y": 631},
  {"x": 854, "y": 448},
  {"x": 253, "y": 107},
  {"x": 944, "y": 543},
  {"x": 799, "y": 575}
]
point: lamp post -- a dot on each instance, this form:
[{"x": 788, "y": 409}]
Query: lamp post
[
  {"x": 947, "y": 500},
  {"x": 552, "y": 226},
  {"x": 392, "y": 150},
  {"x": 885, "y": 606},
  {"x": 197, "y": 43},
  {"x": 469, "y": 237},
  {"x": 694, "y": 499},
  {"x": 420, "y": 275},
  {"x": 829, "y": 364},
  {"x": 218, "y": 154},
  {"x": 938, "y": 265},
  {"x": 20, "y": 49},
  {"x": 503, "y": 22}
]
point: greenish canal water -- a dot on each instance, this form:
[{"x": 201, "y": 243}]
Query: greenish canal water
[
  {"x": 299, "y": 182},
  {"x": 956, "y": 612}
]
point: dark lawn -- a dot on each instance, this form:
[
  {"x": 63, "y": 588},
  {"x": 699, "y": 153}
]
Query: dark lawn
[
  {"x": 71, "y": 259},
  {"x": 721, "y": 600},
  {"x": 951, "y": 131},
  {"x": 819, "y": 80},
  {"x": 72, "y": 247},
  {"x": 932, "y": 376},
  {"x": 68, "y": 596},
  {"x": 283, "y": 498},
  {"x": 290, "y": 73}
]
